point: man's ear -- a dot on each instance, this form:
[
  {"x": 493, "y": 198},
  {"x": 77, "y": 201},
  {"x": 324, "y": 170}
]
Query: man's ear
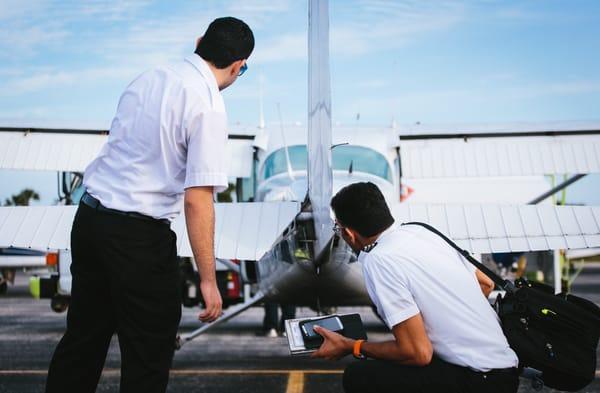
[
  {"x": 235, "y": 67},
  {"x": 198, "y": 41},
  {"x": 350, "y": 234}
]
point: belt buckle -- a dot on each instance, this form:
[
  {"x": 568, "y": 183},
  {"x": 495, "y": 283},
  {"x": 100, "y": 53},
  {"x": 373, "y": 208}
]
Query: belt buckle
[{"x": 89, "y": 201}]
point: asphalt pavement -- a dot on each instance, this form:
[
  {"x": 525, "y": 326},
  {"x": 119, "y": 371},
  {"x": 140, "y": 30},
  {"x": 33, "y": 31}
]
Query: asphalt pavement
[{"x": 234, "y": 357}]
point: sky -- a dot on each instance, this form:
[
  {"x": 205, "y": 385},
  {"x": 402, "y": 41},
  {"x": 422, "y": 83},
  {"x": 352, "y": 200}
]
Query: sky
[{"x": 65, "y": 63}]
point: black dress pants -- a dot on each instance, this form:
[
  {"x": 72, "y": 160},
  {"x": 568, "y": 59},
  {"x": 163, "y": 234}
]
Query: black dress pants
[
  {"x": 125, "y": 281},
  {"x": 377, "y": 376},
  {"x": 272, "y": 320}
]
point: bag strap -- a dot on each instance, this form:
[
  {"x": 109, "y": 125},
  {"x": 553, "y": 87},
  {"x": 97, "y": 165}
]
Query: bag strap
[{"x": 504, "y": 284}]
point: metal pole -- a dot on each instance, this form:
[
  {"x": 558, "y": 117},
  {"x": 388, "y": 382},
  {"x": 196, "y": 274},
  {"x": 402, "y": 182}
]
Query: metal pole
[
  {"x": 557, "y": 272},
  {"x": 399, "y": 172},
  {"x": 556, "y": 189},
  {"x": 556, "y": 261}
]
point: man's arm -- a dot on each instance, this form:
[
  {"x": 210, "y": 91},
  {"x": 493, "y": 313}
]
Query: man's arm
[
  {"x": 486, "y": 283},
  {"x": 200, "y": 222},
  {"x": 410, "y": 347}
]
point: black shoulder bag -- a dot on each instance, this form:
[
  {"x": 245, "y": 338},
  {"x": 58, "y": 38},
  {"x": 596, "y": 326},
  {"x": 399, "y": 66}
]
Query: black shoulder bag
[{"x": 555, "y": 334}]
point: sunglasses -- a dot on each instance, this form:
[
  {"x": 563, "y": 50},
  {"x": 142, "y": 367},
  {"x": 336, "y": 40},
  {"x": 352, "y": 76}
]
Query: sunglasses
[
  {"x": 243, "y": 69},
  {"x": 337, "y": 229}
]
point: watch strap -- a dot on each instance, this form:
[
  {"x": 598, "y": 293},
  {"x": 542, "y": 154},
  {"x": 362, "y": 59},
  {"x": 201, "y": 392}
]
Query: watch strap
[{"x": 356, "y": 349}]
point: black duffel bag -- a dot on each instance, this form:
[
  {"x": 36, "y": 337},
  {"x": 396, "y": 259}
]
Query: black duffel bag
[{"x": 555, "y": 334}]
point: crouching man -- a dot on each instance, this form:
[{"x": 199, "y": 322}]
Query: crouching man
[{"x": 447, "y": 338}]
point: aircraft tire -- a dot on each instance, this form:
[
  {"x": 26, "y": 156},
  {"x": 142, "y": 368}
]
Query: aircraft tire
[
  {"x": 3, "y": 288},
  {"x": 59, "y": 304}
]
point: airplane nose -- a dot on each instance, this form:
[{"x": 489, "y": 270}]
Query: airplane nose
[
  {"x": 299, "y": 188},
  {"x": 293, "y": 191},
  {"x": 280, "y": 194}
]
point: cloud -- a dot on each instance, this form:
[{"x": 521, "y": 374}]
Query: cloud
[
  {"x": 20, "y": 40},
  {"x": 458, "y": 101},
  {"x": 521, "y": 14},
  {"x": 558, "y": 88},
  {"x": 51, "y": 116},
  {"x": 107, "y": 40},
  {"x": 372, "y": 83},
  {"x": 369, "y": 27},
  {"x": 257, "y": 12},
  {"x": 63, "y": 79},
  {"x": 34, "y": 26},
  {"x": 135, "y": 32},
  {"x": 15, "y": 9},
  {"x": 383, "y": 25},
  {"x": 285, "y": 47}
]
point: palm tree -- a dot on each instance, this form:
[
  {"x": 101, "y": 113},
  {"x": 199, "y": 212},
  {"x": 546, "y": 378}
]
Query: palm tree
[
  {"x": 225, "y": 196},
  {"x": 23, "y": 198}
]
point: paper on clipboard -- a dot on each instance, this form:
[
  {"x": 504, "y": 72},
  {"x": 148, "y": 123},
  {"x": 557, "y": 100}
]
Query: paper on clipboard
[
  {"x": 353, "y": 328},
  {"x": 294, "y": 336}
]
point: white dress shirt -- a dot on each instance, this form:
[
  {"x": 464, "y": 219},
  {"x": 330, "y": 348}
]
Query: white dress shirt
[
  {"x": 169, "y": 133},
  {"x": 411, "y": 270}
]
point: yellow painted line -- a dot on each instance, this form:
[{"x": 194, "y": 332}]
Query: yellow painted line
[
  {"x": 183, "y": 372},
  {"x": 295, "y": 382},
  {"x": 252, "y": 372},
  {"x": 23, "y": 372},
  {"x": 110, "y": 371}
]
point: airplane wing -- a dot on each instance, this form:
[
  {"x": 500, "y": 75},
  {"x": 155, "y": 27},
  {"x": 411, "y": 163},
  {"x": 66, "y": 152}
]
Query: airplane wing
[
  {"x": 509, "y": 155},
  {"x": 509, "y": 228},
  {"x": 72, "y": 150},
  {"x": 49, "y": 151},
  {"x": 243, "y": 231},
  {"x": 247, "y": 230}
]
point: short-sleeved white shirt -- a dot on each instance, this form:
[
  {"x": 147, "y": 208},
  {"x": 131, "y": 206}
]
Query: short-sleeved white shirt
[
  {"x": 169, "y": 133},
  {"x": 411, "y": 270}
]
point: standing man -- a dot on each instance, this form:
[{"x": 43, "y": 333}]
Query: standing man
[
  {"x": 164, "y": 152},
  {"x": 447, "y": 338}
]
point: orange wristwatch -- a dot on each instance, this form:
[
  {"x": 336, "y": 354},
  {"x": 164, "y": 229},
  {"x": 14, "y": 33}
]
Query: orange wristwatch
[{"x": 356, "y": 350}]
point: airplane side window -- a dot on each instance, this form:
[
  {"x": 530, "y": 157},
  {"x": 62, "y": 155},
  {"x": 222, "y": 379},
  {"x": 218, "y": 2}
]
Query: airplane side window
[{"x": 363, "y": 159}]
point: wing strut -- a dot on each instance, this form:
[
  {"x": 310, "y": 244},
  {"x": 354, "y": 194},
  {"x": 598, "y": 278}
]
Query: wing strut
[
  {"x": 230, "y": 313},
  {"x": 556, "y": 189}
]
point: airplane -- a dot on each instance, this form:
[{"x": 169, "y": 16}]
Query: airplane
[
  {"x": 26, "y": 260},
  {"x": 284, "y": 239}
]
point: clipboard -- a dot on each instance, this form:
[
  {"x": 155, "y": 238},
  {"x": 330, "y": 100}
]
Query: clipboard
[{"x": 353, "y": 328}]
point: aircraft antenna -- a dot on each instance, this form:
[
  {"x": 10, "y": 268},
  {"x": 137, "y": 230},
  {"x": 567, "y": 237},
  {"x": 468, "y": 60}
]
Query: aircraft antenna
[
  {"x": 285, "y": 146},
  {"x": 261, "y": 120}
]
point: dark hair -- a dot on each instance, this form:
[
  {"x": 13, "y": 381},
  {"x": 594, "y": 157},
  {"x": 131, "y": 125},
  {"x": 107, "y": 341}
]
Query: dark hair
[
  {"x": 362, "y": 207},
  {"x": 226, "y": 40}
]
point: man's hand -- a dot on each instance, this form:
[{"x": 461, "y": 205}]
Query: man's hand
[
  {"x": 335, "y": 345},
  {"x": 212, "y": 301},
  {"x": 486, "y": 283}
]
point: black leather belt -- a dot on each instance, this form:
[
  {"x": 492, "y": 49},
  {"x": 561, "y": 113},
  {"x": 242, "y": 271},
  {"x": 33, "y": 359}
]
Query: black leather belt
[
  {"x": 511, "y": 370},
  {"x": 95, "y": 204}
]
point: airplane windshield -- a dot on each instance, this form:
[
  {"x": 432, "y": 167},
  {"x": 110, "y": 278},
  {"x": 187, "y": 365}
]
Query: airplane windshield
[
  {"x": 276, "y": 163},
  {"x": 363, "y": 159}
]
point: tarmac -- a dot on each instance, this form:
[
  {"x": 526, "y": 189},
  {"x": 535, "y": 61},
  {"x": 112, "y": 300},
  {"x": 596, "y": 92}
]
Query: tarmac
[{"x": 234, "y": 357}]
